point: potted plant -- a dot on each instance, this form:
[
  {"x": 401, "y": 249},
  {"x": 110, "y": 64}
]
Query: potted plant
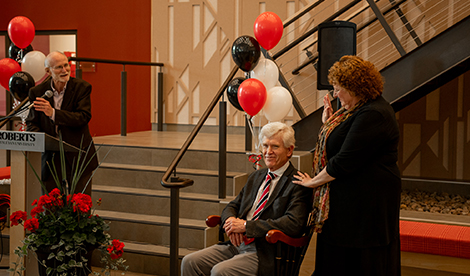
[{"x": 64, "y": 230}]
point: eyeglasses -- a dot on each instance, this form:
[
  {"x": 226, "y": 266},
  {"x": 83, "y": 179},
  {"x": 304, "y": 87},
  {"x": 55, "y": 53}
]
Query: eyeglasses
[{"x": 60, "y": 67}]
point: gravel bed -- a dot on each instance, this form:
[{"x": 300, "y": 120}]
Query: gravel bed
[{"x": 442, "y": 203}]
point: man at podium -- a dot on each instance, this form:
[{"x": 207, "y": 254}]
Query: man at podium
[{"x": 68, "y": 111}]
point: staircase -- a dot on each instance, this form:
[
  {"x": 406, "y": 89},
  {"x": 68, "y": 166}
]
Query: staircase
[
  {"x": 411, "y": 77},
  {"x": 138, "y": 207}
]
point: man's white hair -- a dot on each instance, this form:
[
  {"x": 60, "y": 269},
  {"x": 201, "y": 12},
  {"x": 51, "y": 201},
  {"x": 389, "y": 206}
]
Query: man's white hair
[
  {"x": 47, "y": 61},
  {"x": 287, "y": 133}
]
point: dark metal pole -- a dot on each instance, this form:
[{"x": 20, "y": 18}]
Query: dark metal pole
[
  {"x": 305, "y": 10},
  {"x": 123, "y": 101},
  {"x": 386, "y": 27},
  {"x": 248, "y": 135},
  {"x": 222, "y": 149},
  {"x": 160, "y": 101},
  {"x": 78, "y": 70},
  {"x": 174, "y": 226},
  {"x": 295, "y": 101},
  {"x": 407, "y": 24},
  {"x": 298, "y": 107}
]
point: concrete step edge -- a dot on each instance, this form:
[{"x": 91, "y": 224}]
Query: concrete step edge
[
  {"x": 132, "y": 167},
  {"x": 107, "y": 145},
  {"x": 150, "y": 219},
  {"x": 152, "y": 249},
  {"x": 158, "y": 193},
  {"x": 435, "y": 218}
]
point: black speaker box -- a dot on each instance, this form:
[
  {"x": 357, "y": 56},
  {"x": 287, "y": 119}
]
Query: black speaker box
[{"x": 335, "y": 39}]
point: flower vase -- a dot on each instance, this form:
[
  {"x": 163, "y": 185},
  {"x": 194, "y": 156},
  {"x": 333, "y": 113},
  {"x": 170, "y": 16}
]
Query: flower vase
[{"x": 43, "y": 253}]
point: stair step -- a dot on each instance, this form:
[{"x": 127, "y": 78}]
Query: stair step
[
  {"x": 151, "y": 249},
  {"x": 197, "y": 159},
  {"x": 157, "y": 202},
  {"x": 149, "y": 258},
  {"x": 160, "y": 193},
  {"x": 163, "y": 169},
  {"x": 146, "y": 258},
  {"x": 150, "y": 219},
  {"x": 149, "y": 177},
  {"x": 156, "y": 229}
]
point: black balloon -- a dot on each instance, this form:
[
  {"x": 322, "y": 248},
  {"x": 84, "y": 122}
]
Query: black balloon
[
  {"x": 19, "y": 85},
  {"x": 14, "y": 50},
  {"x": 246, "y": 52},
  {"x": 232, "y": 92}
]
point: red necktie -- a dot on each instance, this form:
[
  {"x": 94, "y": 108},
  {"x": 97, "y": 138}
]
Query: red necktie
[{"x": 261, "y": 202}]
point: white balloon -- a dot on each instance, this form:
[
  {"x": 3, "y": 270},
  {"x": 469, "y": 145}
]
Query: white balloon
[
  {"x": 278, "y": 103},
  {"x": 267, "y": 72},
  {"x": 33, "y": 63}
]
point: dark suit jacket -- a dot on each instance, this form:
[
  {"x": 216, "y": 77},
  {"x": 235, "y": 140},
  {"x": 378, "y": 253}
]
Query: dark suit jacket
[
  {"x": 287, "y": 210},
  {"x": 72, "y": 121}
]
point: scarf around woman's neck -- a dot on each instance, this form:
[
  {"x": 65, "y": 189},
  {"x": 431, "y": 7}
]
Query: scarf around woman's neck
[{"x": 321, "y": 195}]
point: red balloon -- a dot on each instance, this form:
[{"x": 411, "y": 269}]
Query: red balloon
[
  {"x": 268, "y": 30},
  {"x": 21, "y": 31},
  {"x": 252, "y": 96},
  {"x": 8, "y": 67}
]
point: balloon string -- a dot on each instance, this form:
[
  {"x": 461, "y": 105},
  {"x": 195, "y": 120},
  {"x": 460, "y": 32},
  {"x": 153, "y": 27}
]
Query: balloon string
[
  {"x": 19, "y": 56},
  {"x": 255, "y": 135},
  {"x": 255, "y": 158}
]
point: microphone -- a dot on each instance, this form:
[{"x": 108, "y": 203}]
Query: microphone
[{"x": 47, "y": 94}]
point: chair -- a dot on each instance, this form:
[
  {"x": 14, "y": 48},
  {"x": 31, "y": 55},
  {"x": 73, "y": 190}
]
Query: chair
[{"x": 290, "y": 251}]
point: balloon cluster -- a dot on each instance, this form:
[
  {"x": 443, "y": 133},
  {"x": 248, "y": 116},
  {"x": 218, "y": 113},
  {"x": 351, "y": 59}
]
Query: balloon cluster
[
  {"x": 24, "y": 67},
  {"x": 261, "y": 90}
]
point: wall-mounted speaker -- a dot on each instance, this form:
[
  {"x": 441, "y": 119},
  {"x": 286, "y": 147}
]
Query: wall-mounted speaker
[{"x": 335, "y": 39}]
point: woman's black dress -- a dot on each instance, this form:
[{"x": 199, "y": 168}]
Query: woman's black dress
[{"x": 361, "y": 235}]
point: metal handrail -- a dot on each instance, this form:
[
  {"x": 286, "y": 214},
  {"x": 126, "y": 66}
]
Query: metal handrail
[
  {"x": 193, "y": 134},
  {"x": 313, "y": 30},
  {"x": 180, "y": 182},
  {"x": 176, "y": 183},
  {"x": 314, "y": 57},
  {"x": 124, "y": 86},
  {"x": 301, "y": 13},
  {"x": 123, "y": 62}
]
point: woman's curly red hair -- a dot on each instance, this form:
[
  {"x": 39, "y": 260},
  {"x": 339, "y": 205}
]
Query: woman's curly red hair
[{"x": 360, "y": 77}]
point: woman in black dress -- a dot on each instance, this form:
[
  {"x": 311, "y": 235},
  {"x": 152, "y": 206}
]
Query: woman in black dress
[{"x": 356, "y": 178}]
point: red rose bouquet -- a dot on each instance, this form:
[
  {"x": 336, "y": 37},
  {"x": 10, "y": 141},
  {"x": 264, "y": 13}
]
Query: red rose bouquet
[{"x": 64, "y": 228}]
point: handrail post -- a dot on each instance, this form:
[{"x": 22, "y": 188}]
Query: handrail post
[
  {"x": 123, "y": 101},
  {"x": 248, "y": 135},
  {"x": 298, "y": 107},
  {"x": 174, "y": 233},
  {"x": 386, "y": 27},
  {"x": 160, "y": 101},
  {"x": 78, "y": 70},
  {"x": 222, "y": 149}
]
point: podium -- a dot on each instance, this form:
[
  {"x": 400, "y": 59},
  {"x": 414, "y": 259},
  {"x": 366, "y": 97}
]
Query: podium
[{"x": 25, "y": 187}]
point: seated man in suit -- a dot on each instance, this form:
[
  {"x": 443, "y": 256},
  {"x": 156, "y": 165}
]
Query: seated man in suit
[{"x": 269, "y": 200}]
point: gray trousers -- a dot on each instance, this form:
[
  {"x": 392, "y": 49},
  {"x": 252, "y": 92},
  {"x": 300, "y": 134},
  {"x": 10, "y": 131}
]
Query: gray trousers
[{"x": 221, "y": 260}]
